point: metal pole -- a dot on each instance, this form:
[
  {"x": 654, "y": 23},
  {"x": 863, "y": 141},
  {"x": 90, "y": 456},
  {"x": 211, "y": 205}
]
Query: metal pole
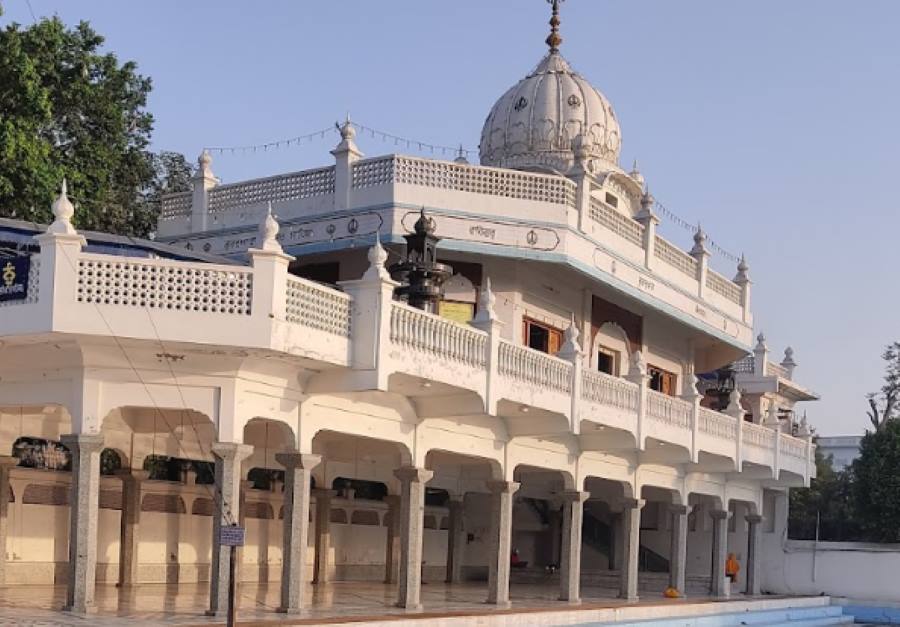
[{"x": 231, "y": 584}]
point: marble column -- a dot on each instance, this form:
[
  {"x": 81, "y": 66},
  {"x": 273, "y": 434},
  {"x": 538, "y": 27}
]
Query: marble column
[
  {"x": 228, "y": 456},
  {"x": 7, "y": 463},
  {"x": 412, "y": 521},
  {"x": 754, "y": 548},
  {"x": 678, "y": 548},
  {"x": 570, "y": 557},
  {"x": 323, "y": 534},
  {"x": 84, "y": 499},
  {"x": 392, "y": 546},
  {"x": 719, "y": 551},
  {"x": 500, "y": 540},
  {"x": 129, "y": 524},
  {"x": 456, "y": 540},
  {"x": 297, "y": 475},
  {"x": 631, "y": 544}
]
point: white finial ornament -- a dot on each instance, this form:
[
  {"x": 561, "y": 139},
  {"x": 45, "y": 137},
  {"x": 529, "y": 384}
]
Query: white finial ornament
[
  {"x": 269, "y": 231},
  {"x": 486, "y": 302},
  {"x": 63, "y": 211},
  {"x": 377, "y": 256},
  {"x": 743, "y": 269},
  {"x": 637, "y": 365},
  {"x": 761, "y": 342},
  {"x": 636, "y": 174},
  {"x": 571, "y": 347},
  {"x": 699, "y": 242},
  {"x": 461, "y": 156}
]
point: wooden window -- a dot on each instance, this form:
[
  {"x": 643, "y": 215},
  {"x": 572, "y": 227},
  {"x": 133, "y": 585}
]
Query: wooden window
[
  {"x": 541, "y": 337},
  {"x": 662, "y": 380},
  {"x": 608, "y": 361}
]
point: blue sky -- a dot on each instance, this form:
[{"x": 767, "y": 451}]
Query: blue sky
[{"x": 773, "y": 123}]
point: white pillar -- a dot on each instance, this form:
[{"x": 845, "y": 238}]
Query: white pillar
[
  {"x": 83, "y": 503},
  {"x": 456, "y": 540},
  {"x": 631, "y": 539},
  {"x": 228, "y": 457},
  {"x": 323, "y": 535},
  {"x": 500, "y": 540},
  {"x": 412, "y": 520},
  {"x": 719, "y": 551},
  {"x": 129, "y": 526},
  {"x": 7, "y": 463},
  {"x": 297, "y": 474},
  {"x": 570, "y": 562},
  {"x": 754, "y": 550},
  {"x": 678, "y": 548}
]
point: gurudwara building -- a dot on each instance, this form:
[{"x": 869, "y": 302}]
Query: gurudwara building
[{"x": 397, "y": 369}]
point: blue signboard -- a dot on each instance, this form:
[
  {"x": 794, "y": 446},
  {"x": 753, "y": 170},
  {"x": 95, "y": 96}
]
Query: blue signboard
[
  {"x": 231, "y": 535},
  {"x": 14, "y": 278}
]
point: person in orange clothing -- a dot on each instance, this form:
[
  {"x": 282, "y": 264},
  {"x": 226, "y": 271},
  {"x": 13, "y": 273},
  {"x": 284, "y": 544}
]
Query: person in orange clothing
[{"x": 732, "y": 567}]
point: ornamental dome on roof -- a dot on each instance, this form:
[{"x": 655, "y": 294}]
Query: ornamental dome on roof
[{"x": 534, "y": 124}]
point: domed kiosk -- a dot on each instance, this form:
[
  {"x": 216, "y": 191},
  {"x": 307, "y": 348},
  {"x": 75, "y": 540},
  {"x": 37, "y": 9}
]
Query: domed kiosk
[{"x": 540, "y": 122}]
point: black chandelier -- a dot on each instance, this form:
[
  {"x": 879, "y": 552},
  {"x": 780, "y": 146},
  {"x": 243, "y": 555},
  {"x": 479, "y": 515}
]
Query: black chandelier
[{"x": 420, "y": 276}]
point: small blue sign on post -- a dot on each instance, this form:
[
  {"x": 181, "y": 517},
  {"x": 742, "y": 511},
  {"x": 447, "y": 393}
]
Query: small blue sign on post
[
  {"x": 231, "y": 535},
  {"x": 14, "y": 278}
]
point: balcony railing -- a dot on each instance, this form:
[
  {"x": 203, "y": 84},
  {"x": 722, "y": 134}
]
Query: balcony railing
[{"x": 531, "y": 366}]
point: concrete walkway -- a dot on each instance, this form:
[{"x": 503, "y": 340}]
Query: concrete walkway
[{"x": 341, "y": 602}]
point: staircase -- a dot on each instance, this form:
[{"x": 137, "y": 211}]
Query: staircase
[{"x": 598, "y": 535}]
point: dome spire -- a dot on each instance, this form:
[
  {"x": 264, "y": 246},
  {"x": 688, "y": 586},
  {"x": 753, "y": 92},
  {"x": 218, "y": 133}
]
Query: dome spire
[{"x": 553, "y": 39}]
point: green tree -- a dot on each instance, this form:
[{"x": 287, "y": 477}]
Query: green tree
[
  {"x": 69, "y": 109},
  {"x": 876, "y": 485},
  {"x": 828, "y": 503},
  {"x": 884, "y": 403}
]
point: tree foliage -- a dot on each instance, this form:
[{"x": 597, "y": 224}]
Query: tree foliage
[
  {"x": 68, "y": 109},
  {"x": 876, "y": 485},
  {"x": 883, "y": 404},
  {"x": 827, "y": 503}
]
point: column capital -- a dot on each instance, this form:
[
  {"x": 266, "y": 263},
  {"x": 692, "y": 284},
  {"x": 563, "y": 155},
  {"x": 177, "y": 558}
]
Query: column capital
[
  {"x": 574, "y": 496},
  {"x": 753, "y": 519},
  {"x": 227, "y": 451},
  {"x": 502, "y": 487},
  {"x": 626, "y": 503},
  {"x": 292, "y": 460},
  {"x": 8, "y": 461},
  {"x": 719, "y": 514},
  {"x": 411, "y": 474},
  {"x": 87, "y": 442},
  {"x": 679, "y": 510}
]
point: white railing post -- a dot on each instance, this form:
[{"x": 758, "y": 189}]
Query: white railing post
[
  {"x": 203, "y": 181},
  {"x": 270, "y": 271},
  {"x": 582, "y": 180},
  {"x": 692, "y": 396},
  {"x": 486, "y": 320},
  {"x": 760, "y": 356},
  {"x": 370, "y": 316},
  {"x": 60, "y": 247},
  {"x": 735, "y": 410},
  {"x": 571, "y": 351},
  {"x": 345, "y": 154},
  {"x": 649, "y": 220},
  {"x": 701, "y": 254},
  {"x": 805, "y": 434},
  {"x": 742, "y": 280},
  {"x": 637, "y": 374}
]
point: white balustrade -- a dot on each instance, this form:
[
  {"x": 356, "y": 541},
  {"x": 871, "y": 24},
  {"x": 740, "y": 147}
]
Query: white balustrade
[
  {"x": 776, "y": 370},
  {"x": 463, "y": 177},
  {"x": 723, "y": 287},
  {"x": 417, "y": 330},
  {"x": 526, "y": 364},
  {"x": 758, "y": 435},
  {"x": 792, "y": 447},
  {"x": 717, "y": 424},
  {"x": 605, "y": 389},
  {"x": 164, "y": 284},
  {"x": 621, "y": 225},
  {"x": 675, "y": 257},
  {"x": 174, "y": 206},
  {"x": 281, "y": 188},
  {"x": 668, "y": 409},
  {"x": 313, "y": 305}
]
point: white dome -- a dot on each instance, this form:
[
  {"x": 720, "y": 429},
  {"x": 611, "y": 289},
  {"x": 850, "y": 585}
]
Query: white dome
[{"x": 534, "y": 124}]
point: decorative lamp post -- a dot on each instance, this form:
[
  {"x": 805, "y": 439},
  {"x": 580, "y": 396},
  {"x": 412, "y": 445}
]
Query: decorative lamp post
[{"x": 420, "y": 275}]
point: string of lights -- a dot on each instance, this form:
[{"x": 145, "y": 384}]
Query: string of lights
[{"x": 674, "y": 218}]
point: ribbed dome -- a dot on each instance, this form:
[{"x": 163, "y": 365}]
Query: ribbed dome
[{"x": 534, "y": 124}]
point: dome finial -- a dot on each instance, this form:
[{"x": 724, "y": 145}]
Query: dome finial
[{"x": 553, "y": 39}]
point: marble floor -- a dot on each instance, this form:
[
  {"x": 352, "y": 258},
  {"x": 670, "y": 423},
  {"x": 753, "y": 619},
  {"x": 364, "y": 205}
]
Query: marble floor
[{"x": 156, "y": 604}]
